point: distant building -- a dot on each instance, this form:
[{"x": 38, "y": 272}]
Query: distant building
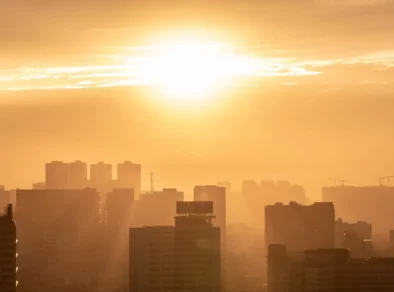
[
  {"x": 269, "y": 192},
  {"x": 151, "y": 259},
  {"x": 57, "y": 175},
  {"x": 8, "y": 256},
  {"x": 197, "y": 249},
  {"x": 101, "y": 176},
  {"x": 39, "y": 186},
  {"x": 5, "y": 197},
  {"x": 58, "y": 231},
  {"x": 300, "y": 227},
  {"x": 217, "y": 195},
  {"x": 119, "y": 213},
  {"x": 129, "y": 176},
  {"x": 78, "y": 175},
  {"x": 369, "y": 204},
  {"x": 157, "y": 208},
  {"x": 226, "y": 185},
  {"x": 330, "y": 270},
  {"x": 357, "y": 237}
]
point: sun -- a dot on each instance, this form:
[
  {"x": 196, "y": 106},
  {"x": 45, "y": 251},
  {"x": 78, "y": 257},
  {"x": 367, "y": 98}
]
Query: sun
[{"x": 189, "y": 70}]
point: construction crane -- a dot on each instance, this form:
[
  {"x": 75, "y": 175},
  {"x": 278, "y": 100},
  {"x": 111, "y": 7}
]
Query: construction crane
[
  {"x": 381, "y": 180},
  {"x": 388, "y": 178},
  {"x": 333, "y": 180}
]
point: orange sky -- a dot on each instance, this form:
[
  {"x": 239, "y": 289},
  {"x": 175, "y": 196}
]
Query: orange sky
[{"x": 335, "y": 121}]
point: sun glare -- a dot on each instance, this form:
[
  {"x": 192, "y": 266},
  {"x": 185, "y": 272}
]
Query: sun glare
[{"x": 190, "y": 70}]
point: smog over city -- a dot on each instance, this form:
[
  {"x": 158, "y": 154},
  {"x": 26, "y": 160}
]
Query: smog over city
[{"x": 196, "y": 146}]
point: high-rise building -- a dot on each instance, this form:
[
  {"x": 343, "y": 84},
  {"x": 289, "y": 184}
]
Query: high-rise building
[
  {"x": 101, "y": 176},
  {"x": 157, "y": 208},
  {"x": 8, "y": 255},
  {"x": 152, "y": 259},
  {"x": 357, "y": 203},
  {"x": 5, "y": 197},
  {"x": 119, "y": 210},
  {"x": 57, "y": 175},
  {"x": 58, "y": 231},
  {"x": 78, "y": 175},
  {"x": 129, "y": 176},
  {"x": 300, "y": 227},
  {"x": 218, "y": 196},
  {"x": 197, "y": 264}
]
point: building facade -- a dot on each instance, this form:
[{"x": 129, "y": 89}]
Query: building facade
[
  {"x": 57, "y": 175},
  {"x": 151, "y": 259},
  {"x": 331, "y": 270},
  {"x": 119, "y": 208},
  {"x": 129, "y": 176},
  {"x": 8, "y": 255},
  {"x": 300, "y": 227},
  {"x": 58, "y": 231},
  {"x": 196, "y": 249}
]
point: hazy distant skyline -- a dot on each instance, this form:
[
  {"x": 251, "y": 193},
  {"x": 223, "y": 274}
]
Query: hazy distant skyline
[{"x": 298, "y": 126}]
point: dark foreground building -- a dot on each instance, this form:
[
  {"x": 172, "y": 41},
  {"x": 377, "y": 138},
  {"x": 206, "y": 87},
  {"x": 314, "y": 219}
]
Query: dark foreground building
[
  {"x": 180, "y": 258},
  {"x": 8, "y": 267},
  {"x": 329, "y": 270}
]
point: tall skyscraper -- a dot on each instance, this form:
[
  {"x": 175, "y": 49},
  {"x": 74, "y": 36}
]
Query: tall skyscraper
[
  {"x": 300, "y": 227},
  {"x": 57, "y": 175},
  {"x": 58, "y": 231},
  {"x": 78, "y": 175},
  {"x": 119, "y": 211},
  {"x": 197, "y": 249},
  {"x": 8, "y": 268},
  {"x": 217, "y": 195},
  {"x": 101, "y": 176},
  {"x": 152, "y": 259},
  {"x": 129, "y": 176}
]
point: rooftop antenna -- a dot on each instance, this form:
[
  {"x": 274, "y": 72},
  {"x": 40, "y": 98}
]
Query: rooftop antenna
[{"x": 151, "y": 182}]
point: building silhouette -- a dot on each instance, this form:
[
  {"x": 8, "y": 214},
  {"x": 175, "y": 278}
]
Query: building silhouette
[
  {"x": 370, "y": 204},
  {"x": 331, "y": 270},
  {"x": 119, "y": 204},
  {"x": 57, "y": 175},
  {"x": 59, "y": 239},
  {"x": 101, "y": 176},
  {"x": 157, "y": 208},
  {"x": 8, "y": 255},
  {"x": 129, "y": 176},
  {"x": 5, "y": 197},
  {"x": 300, "y": 227},
  {"x": 217, "y": 195},
  {"x": 78, "y": 175},
  {"x": 357, "y": 237},
  {"x": 152, "y": 259},
  {"x": 197, "y": 248},
  {"x": 269, "y": 192}
]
